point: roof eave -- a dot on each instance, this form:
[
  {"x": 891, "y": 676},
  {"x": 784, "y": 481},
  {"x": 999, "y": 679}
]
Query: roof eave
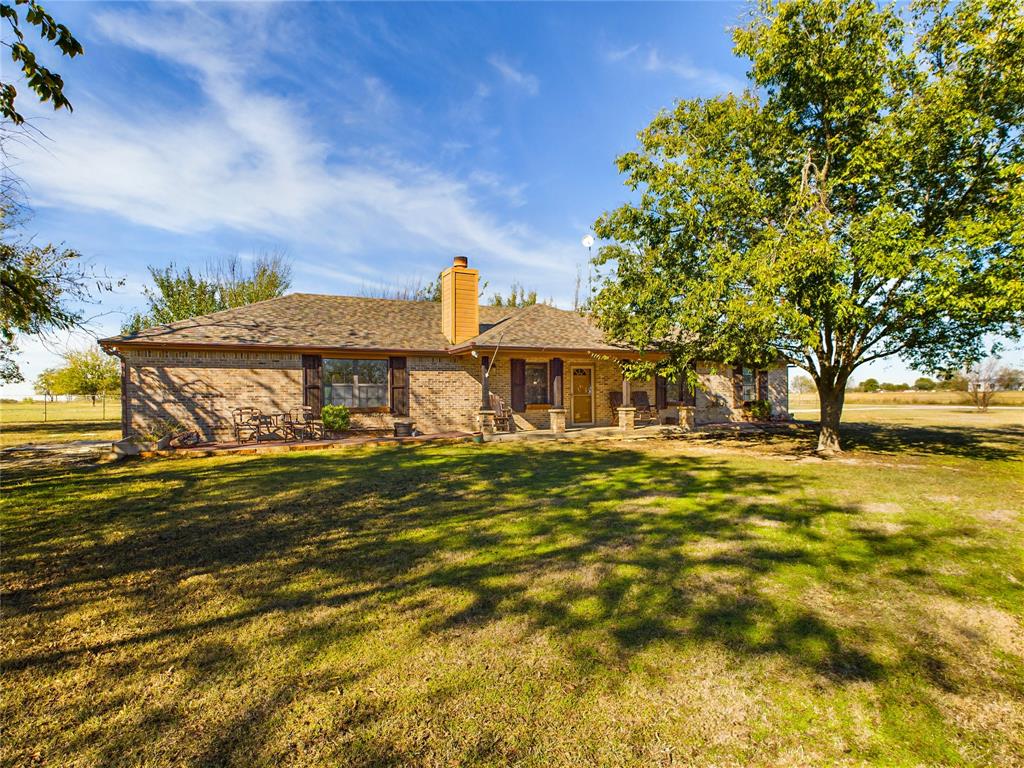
[{"x": 622, "y": 352}]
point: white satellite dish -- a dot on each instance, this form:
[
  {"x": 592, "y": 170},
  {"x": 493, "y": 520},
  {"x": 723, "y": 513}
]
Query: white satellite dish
[{"x": 588, "y": 240}]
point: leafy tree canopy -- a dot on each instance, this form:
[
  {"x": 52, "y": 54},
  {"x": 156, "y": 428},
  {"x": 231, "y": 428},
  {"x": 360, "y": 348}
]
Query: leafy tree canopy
[
  {"x": 42, "y": 288},
  {"x": 517, "y": 296},
  {"x": 864, "y": 200},
  {"x": 179, "y": 295},
  {"x": 47, "y": 84},
  {"x": 84, "y": 372}
]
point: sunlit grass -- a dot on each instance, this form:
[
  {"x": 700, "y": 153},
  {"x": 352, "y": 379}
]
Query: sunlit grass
[
  {"x": 731, "y": 602},
  {"x": 60, "y": 422}
]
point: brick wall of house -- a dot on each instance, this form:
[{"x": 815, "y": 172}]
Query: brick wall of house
[
  {"x": 715, "y": 398},
  {"x": 607, "y": 379},
  {"x": 444, "y": 393},
  {"x": 199, "y": 389}
]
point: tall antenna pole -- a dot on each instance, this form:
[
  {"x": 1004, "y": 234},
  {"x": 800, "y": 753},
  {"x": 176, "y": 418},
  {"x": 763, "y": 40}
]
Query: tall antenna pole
[{"x": 588, "y": 243}]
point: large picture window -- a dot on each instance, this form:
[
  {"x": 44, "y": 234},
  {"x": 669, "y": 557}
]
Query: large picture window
[
  {"x": 536, "y": 383},
  {"x": 355, "y": 383}
]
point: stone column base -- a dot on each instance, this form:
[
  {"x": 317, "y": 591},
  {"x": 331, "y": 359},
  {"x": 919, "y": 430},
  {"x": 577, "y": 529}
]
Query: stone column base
[
  {"x": 627, "y": 418},
  {"x": 557, "y": 416},
  {"x": 686, "y": 417},
  {"x": 485, "y": 421}
]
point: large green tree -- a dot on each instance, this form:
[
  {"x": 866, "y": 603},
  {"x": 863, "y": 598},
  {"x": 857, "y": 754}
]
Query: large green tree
[
  {"x": 84, "y": 372},
  {"x": 863, "y": 199},
  {"x": 179, "y": 295}
]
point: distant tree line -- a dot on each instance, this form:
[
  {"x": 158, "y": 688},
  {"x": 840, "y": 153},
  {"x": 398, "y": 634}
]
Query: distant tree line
[
  {"x": 992, "y": 376},
  {"x": 416, "y": 290}
]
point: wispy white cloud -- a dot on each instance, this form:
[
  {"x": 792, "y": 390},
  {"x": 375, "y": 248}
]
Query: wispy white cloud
[
  {"x": 618, "y": 54},
  {"x": 255, "y": 162},
  {"x": 515, "y": 76},
  {"x": 650, "y": 59}
]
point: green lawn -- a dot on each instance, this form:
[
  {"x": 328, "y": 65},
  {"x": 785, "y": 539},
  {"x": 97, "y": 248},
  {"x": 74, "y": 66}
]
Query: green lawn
[
  {"x": 22, "y": 423},
  {"x": 810, "y": 400},
  {"x": 725, "y": 602}
]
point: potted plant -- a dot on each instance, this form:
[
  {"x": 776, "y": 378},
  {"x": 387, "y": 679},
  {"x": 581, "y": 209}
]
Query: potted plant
[{"x": 336, "y": 418}]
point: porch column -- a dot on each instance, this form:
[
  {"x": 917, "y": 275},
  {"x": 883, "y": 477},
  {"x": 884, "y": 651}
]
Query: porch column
[
  {"x": 626, "y": 412},
  {"x": 485, "y": 417},
  {"x": 485, "y": 384},
  {"x": 556, "y": 414}
]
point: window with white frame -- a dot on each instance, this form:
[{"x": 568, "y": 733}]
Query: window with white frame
[{"x": 355, "y": 383}]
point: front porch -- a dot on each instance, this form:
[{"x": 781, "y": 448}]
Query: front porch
[
  {"x": 548, "y": 393},
  {"x": 585, "y": 434}
]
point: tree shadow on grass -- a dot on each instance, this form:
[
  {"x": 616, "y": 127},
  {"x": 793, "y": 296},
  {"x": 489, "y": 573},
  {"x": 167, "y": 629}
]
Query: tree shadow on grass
[
  {"x": 606, "y": 549},
  {"x": 988, "y": 443}
]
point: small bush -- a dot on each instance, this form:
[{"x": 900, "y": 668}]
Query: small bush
[
  {"x": 336, "y": 418},
  {"x": 159, "y": 429},
  {"x": 760, "y": 410}
]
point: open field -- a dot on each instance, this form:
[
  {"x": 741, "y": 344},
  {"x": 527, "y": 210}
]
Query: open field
[
  {"x": 22, "y": 423},
  {"x": 712, "y": 601},
  {"x": 908, "y": 398}
]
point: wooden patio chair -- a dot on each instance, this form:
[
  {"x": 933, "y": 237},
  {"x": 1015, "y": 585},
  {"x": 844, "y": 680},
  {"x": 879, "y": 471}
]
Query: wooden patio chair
[
  {"x": 247, "y": 423},
  {"x": 502, "y": 414},
  {"x": 615, "y": 400},
  {"x": 314, "y": 427},
  {"x": 644, "y": 410},
  {"x": 293, "y": 425}
]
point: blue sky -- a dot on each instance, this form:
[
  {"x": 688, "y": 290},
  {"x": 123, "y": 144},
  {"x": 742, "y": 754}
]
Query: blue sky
[{"x": 368, "y": 142}]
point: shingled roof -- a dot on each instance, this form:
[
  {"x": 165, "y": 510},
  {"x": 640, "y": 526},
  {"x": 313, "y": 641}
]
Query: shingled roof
[
  {"x": 542, "y": 327},
  {"x": 316, "y": 322}
]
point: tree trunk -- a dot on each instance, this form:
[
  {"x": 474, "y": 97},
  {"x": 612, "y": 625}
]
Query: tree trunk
[{"x": 830, "y": 399}]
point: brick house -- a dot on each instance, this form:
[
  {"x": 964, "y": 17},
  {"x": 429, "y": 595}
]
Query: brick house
[{"x": 441, "y": 365}]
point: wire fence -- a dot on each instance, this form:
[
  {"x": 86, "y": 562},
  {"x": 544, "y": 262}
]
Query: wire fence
[{"x": 61, "y": 408}]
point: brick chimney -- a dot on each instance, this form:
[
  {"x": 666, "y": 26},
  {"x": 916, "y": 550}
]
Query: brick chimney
[{"x": 460, "y": 301}]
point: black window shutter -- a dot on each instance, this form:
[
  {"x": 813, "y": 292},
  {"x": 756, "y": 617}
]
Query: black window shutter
[
  {"x": 518, "y": 368},
  {"x": 399, "y": 386},
  {"x": 555, "y": 382},
  {"x": 762, "y": 385},
  {"x": 737, "y": 385},
  {"x": 660, "y": 392},
  {"x": 312, "y": 382}
]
